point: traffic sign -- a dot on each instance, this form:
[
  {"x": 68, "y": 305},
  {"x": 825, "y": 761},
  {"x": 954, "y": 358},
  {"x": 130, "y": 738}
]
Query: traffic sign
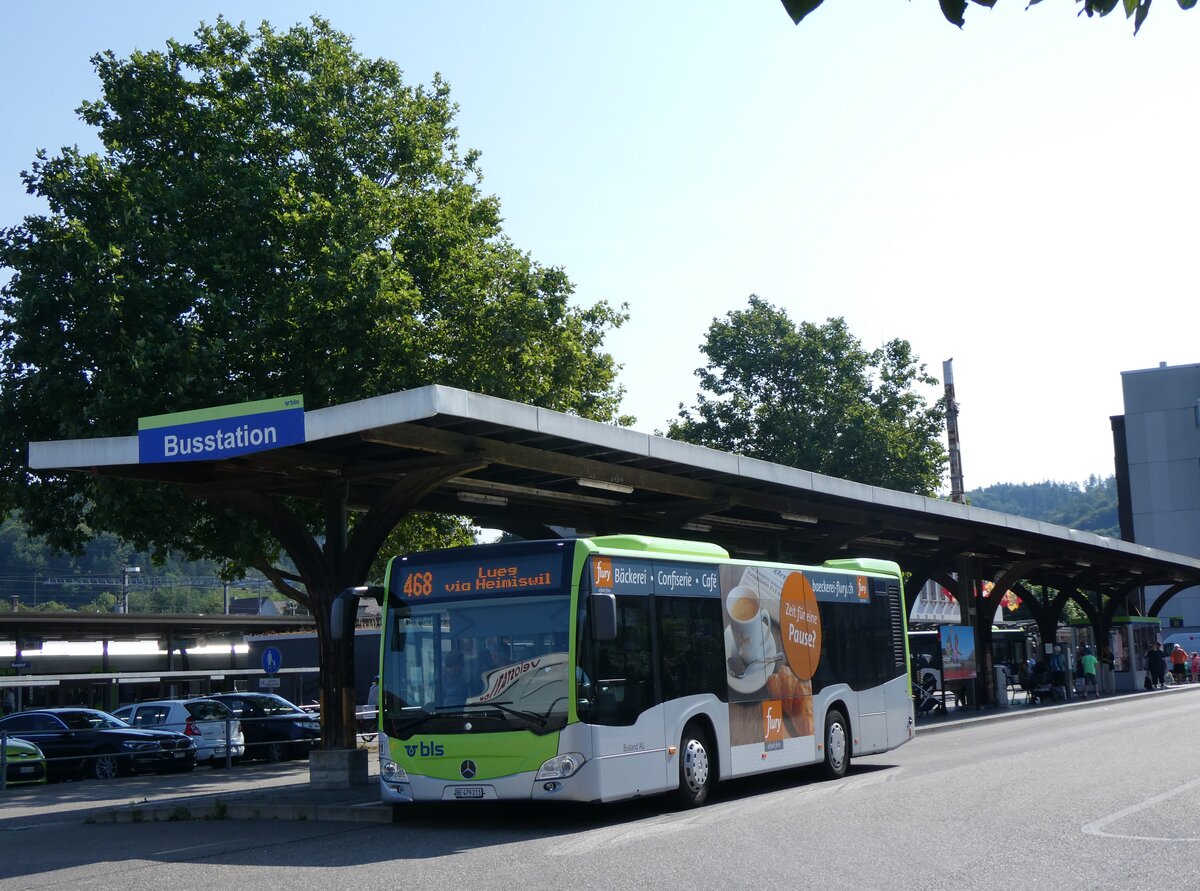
[
  {"x": 268, "y": 682},
  {"x": 272, "y": 659}
]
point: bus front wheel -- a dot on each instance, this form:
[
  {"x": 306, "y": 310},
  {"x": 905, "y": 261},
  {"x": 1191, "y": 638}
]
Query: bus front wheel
[
  {"x": 837, "y": 745},
  {"x": 695, "y": 768}
]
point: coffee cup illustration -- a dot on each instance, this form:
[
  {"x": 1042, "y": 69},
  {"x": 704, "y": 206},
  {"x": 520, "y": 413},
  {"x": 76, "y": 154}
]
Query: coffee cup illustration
[{"x": 749, "y": 622}]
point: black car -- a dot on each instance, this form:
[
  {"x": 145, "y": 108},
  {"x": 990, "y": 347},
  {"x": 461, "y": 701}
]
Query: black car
[
  {"x": 274, "y": 728},
  {"x": 87, "y": 742}
]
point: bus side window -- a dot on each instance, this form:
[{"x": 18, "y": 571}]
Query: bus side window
[
  {"x": 623, "y": 678},
  {"x": 690, "y": 645}
]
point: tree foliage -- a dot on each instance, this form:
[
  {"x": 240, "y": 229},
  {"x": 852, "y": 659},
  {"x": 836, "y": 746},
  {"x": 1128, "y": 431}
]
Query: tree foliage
[
  {"x": 811, "y": 396},
  {"x": 271, "y": 213},
  {"x": 955, "y": 10}
]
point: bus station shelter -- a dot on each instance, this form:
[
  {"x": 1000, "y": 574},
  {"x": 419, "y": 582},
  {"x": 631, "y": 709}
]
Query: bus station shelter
[{"x": 537, "y": 473}]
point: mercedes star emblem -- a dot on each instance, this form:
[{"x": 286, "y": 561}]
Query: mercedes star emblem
[{"x": 467, "y": 769}]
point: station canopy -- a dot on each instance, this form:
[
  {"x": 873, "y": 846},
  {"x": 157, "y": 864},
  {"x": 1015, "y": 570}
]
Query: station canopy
[{"x": 539, "y": 473}]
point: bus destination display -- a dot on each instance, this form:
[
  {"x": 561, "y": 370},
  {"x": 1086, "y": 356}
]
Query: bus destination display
[{"x": 454, "y": 581}]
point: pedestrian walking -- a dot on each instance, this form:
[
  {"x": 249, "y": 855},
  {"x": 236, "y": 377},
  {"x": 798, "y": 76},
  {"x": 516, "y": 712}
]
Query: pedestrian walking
[
  {"x": 1058, "y": 672},
  {"x": 1156, "y": 664},
  {"x": 1195, "y": 668},
  {"x": 1090, "y": 665},
  {"x": 1179, "y": 664}
]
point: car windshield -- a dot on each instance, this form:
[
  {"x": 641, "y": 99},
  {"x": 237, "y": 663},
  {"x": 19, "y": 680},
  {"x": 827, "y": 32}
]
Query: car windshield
[
  {"x": 274, "y": 705},
  {"x": 262, "y": 706},
  {"x": 90, "y": 721}
]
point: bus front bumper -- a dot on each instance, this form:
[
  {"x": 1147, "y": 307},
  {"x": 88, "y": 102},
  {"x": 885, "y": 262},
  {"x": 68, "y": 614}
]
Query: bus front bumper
[{"x": 583, "y": 785}]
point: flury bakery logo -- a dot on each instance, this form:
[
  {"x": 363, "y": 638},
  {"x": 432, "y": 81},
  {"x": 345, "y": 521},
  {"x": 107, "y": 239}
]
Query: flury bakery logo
[
  {"x": 602, "y": 573},
  {"x": 209, "y": 434}
]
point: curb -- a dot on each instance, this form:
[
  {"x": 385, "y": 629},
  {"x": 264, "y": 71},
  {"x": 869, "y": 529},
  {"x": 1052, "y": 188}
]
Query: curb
[{"x": 219, "y": 809}]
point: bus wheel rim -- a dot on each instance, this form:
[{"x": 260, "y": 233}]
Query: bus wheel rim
[
  {"x": 695, "y": 765},
  {"x": 836, "y": 745}
]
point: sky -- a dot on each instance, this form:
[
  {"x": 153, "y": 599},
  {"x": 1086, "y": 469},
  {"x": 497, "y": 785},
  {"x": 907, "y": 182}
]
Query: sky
[{"x": 1018, "y": 196}]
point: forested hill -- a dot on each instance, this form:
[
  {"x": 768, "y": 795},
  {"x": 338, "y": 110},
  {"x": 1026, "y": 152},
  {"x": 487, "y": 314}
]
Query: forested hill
[{"x": 1090, "y": 505}]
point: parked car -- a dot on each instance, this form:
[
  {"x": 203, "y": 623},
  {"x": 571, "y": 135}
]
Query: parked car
[
  {"x": 203, "y": 720},
  {"x": 88, "y": 742},
  {"x": 24, "y": 761},
  {"x": 275, "y": 729}
]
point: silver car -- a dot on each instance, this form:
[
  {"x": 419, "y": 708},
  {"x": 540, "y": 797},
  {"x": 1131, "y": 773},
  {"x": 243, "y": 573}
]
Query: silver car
[{"x": 206, "y": 721}]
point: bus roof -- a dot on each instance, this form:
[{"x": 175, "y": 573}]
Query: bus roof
[{"x": 650, "y": 544}]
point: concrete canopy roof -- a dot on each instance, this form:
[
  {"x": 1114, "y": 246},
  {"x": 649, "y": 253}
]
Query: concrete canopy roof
[
  {"x": 542, "y": 469},
  {"x": 157, "y": 626}
]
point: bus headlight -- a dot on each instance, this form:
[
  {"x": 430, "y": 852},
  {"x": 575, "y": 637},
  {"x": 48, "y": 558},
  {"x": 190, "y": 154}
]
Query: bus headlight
[
  {"x": 391, "y": 772},
  {"x": 560, "y": 766}
]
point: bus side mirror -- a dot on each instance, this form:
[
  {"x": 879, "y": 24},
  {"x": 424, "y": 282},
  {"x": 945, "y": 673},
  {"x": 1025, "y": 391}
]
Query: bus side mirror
[
  {"x": 344, "y": 614},
  {"x": 603, "y": 608}
]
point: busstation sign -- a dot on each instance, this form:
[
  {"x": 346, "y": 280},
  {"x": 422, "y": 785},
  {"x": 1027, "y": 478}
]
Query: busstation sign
[{"x": 226, "y": 431}]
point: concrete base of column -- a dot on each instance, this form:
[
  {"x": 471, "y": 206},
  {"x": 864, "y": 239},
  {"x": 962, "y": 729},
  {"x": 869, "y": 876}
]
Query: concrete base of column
[{"x": 337, "y": 768}]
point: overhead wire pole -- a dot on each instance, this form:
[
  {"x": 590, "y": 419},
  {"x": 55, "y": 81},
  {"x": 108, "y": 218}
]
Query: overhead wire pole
[{"x": 957, "y": 493}]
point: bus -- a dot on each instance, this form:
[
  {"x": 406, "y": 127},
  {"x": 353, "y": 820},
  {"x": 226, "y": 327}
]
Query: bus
[{"x": 612, "y": 667}]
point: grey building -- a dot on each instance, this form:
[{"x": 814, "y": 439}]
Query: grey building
[{"x": 1157, "y": 444}]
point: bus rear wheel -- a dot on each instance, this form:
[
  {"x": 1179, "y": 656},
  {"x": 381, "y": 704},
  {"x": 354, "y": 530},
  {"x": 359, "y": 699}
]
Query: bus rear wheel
[
  {"x": 837, "y": 745},
  {"x": 695, "y": 768}
]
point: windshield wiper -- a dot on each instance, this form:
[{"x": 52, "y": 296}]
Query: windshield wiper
[
  {"x": 540, "y": 720},
  {"x": 408, "y": 722}
]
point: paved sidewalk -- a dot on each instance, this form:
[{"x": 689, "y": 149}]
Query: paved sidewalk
[{"x": 959, "y": 717}]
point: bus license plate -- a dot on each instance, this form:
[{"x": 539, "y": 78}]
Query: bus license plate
[
  {"x": 468, "y": 791},
  {"x": 27, "y": 768}
]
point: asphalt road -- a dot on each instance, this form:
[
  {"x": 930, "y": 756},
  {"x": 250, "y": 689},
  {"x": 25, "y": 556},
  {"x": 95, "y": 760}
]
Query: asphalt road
[{"x": 1102, "y": 797}]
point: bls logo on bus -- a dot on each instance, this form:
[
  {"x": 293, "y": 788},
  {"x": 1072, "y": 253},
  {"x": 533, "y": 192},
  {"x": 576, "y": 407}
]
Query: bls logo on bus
[{"x": 425, "y": 750}]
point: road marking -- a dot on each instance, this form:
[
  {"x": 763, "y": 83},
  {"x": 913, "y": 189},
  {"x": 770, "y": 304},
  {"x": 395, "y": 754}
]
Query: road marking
[
  {"x": 1098, "y": 827},
  {"x": 190, "y": 848}
]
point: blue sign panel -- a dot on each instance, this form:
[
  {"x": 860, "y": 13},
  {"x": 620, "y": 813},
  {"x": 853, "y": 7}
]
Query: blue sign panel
[
  {"x": 272, "y": 659},
  {"x": 623, "y": 575},
  {"x": 225, "y": 432},
  {"x": 686, "y": 579}
]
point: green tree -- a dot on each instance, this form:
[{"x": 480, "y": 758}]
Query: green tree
[
  {"x": 811, "y": 396},
  {"x": 272, "y": 213},
  {"x": 955, "y": 10}
]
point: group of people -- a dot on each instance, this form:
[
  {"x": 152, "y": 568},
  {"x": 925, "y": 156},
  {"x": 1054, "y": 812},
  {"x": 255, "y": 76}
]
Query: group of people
[
  {"x": 1182, "y": 666},
  {"x": 1046, "y": 679}
]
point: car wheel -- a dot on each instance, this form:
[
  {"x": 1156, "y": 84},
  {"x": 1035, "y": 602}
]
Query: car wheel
[
  {"x": 274, "y": 752},
  {"x": 105, "y": 767},
  {"x": 837, "y": 745},
  {"x": 695, "y": 768}
]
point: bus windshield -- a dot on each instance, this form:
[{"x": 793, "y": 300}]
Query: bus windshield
[{"x": 465, "y": 660}]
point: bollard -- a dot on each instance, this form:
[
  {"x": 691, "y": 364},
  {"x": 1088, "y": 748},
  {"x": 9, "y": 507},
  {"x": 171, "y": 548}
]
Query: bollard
[
  {"x": 228, "y": 742},
  {"x": 3, "y": 760}
]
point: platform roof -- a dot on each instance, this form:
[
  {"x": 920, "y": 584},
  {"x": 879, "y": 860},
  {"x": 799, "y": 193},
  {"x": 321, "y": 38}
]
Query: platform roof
[
  {"x": 541, "y": 472},
  {"x": 72, "y": 626}
]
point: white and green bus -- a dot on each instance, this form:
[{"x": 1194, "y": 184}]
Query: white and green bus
[{"x": 605, "y": 668}]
